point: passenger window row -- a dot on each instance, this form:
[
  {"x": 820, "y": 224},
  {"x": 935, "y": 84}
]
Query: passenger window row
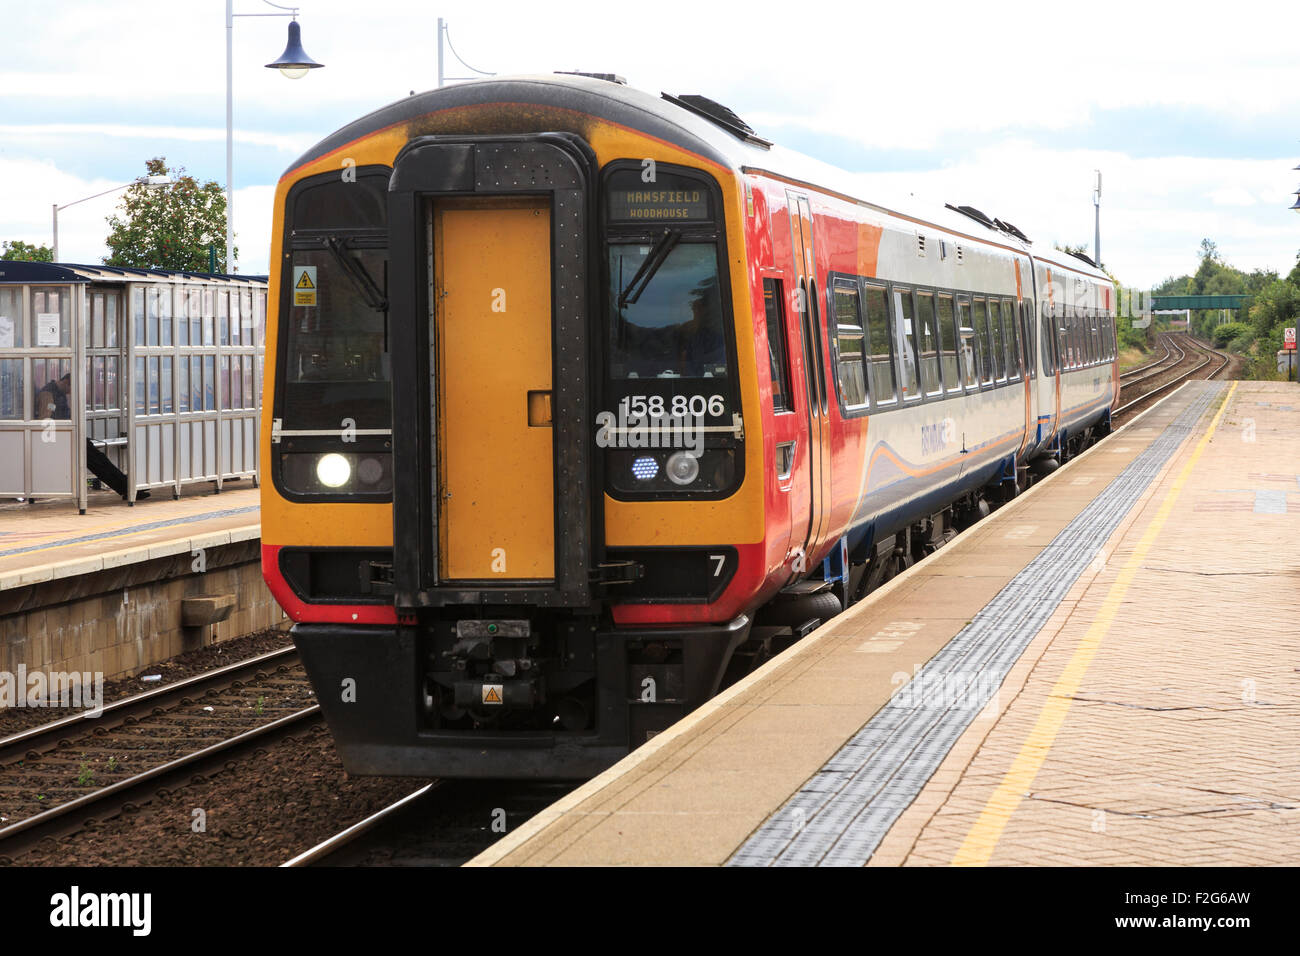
[
  {"x": 895, "y": 344},
  {"x": 1084, "y": 337}
]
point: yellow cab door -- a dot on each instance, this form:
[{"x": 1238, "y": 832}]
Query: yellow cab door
[{"x": 495, "y": 461}]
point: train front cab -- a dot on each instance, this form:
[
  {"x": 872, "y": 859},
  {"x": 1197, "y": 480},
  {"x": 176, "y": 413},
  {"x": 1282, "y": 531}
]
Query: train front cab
[{"x": 481, "y": 643}]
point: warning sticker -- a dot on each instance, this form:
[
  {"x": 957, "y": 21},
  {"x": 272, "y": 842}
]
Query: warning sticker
[
  {"x": 492, "y": 693},
  {"x": 304, "y": 285}
]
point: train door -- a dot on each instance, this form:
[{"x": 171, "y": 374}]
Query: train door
[
  {"x": 806, "y": 299},
  {"x": 495, "y": 480}
]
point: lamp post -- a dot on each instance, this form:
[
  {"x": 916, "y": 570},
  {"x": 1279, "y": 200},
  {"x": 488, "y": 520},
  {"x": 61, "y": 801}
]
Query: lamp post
[
  {"x": 443, "y": 31},
  {"x": 146, "y": 180},
  {"x": 293, "y": 64},
  {"x": 1096, "y": 204}
]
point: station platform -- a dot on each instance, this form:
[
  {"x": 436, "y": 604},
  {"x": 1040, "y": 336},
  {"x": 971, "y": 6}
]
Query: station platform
[
  {"x": 1104, "y": 672},
  {"x": 49, "y": 540},
  {"x": 120, "y": 588}
]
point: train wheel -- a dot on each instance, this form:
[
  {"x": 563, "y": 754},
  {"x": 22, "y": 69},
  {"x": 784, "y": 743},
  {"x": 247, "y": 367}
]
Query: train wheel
[{"x": 820, "y": 607}]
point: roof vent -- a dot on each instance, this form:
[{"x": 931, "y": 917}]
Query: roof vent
[
  {"x": 607, "y": 77},
  {"x": 718, "y": 115},
  {"x": 1085, "y": 258}
]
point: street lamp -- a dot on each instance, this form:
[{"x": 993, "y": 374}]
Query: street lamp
[
  {"x": 293, "y": 63},
  {"x": 145, "y": 180}
]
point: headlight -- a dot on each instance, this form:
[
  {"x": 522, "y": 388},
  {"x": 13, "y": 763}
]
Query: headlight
[
  {"x": 683, "y": 468},
  {"x": 645, "y": 468},
  {"x": 333, "y": 470},
  {"x": 336, "y": 473}
]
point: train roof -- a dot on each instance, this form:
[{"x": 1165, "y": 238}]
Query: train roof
[{"x": 694, "y": 124}]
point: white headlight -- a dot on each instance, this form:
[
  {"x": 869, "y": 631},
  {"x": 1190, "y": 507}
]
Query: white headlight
[
  {"x": 333, "y": 470},
  {"x": 683, "y": 468}
]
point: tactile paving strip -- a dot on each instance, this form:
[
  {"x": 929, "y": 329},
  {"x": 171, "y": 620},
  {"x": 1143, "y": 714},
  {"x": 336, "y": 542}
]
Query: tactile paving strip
[
  {"x": 133, "y": 529},
  {"x": 840, "y": 815}
]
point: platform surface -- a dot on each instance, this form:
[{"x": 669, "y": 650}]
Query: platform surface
[
  {"x": 49, "y": 539},
  {"x": 1106, "y": 671}
]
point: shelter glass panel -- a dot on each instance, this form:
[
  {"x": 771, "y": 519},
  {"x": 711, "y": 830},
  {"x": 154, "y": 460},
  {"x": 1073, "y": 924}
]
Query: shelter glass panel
[
  {"x": 11, "y": 318},
  {"x": 51, "y": 316},
  {"x": 52, "y": 388},
  {"x": 11, "y": 389}
]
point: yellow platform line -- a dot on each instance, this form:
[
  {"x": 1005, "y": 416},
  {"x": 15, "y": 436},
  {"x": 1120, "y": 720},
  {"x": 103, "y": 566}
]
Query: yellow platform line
[{"x": 984, "y": 834}]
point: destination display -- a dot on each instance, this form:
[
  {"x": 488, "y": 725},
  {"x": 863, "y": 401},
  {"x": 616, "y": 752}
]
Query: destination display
[{"x": 648, "y": 203}]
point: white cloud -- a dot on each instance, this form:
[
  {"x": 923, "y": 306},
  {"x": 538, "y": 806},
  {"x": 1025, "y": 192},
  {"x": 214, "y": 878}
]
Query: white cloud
[
  {"x": 83, "y": 226},
  {"x": 886, "y": 76},
  {"x": 1154, "y": 213},
  {"x": 254, "y": 206},
  {"x": 291, "y": 143}
]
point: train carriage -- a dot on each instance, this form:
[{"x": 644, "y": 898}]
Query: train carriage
[{"x": 582, "y": 399}]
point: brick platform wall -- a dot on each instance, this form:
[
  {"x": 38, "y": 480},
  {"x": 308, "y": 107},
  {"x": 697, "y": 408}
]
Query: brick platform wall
[{"x": 120, "y": 620}]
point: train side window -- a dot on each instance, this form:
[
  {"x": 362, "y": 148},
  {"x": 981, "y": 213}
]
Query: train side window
[
  {"x": 810, "y": 376},
  {"x": 998, "y": 340},
  {"x": 983, "y": 341},
  {"x": 967, "y": 343},
  {"x": 850, "y": 373},
  {"x": 930, "y": 379},
  {"x": 1071, "y": 339},
  {"x": 949, "y": 337},
  {"x": 1080, "y": 357},
  {"x": 817, "y": 344},
  {"x": 1062, "y": 322},
  {"x": 1047, "y": 333},
  {"x": 903, "y": 319},
  {"x": 1011, "y": 325},
  {"x": 1095, "y": 325},
  {"x": 880, "y": 346},
  {"x": 1027, "y": 331},
  {"x": 977, "y": 339},
  {"x": 773, "y": 301}
]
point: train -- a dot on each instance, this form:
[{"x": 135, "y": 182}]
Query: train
[{"x": 582, "y": 402}]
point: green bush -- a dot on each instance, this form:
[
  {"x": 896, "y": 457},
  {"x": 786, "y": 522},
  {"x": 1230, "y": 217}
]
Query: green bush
[{"x": 1223, "y": 334}]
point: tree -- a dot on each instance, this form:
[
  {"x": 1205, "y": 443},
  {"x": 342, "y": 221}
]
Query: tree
[
  {"x": 19, "y": 251},
  {"x": 1069, "y": 249},
  {"x": 169, "y": 227}
]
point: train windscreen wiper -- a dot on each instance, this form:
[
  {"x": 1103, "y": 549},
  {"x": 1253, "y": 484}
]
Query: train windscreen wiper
[
  {"x": 656, "y": 257},
  {"x": 357, "y": 272}
]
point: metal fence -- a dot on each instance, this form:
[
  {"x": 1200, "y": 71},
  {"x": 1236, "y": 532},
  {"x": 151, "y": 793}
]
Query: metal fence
[{"x": 168, "y": 389}]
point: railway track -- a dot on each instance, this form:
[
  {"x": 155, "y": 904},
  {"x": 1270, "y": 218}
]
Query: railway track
[
  {"x": 76, "y": 814},
  {"x": 1169, "y": 351},
  {"x": 57, "y": 777},
  {"x": 1198, "y": 357},
  {"x": 444, "y": 823}
]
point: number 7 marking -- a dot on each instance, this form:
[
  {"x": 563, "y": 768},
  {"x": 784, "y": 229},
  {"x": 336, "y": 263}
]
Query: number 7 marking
[{"x": 722, "y": 560}]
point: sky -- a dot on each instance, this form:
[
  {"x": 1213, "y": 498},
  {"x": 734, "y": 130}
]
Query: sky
[{"x": 1188, "y": 112}]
